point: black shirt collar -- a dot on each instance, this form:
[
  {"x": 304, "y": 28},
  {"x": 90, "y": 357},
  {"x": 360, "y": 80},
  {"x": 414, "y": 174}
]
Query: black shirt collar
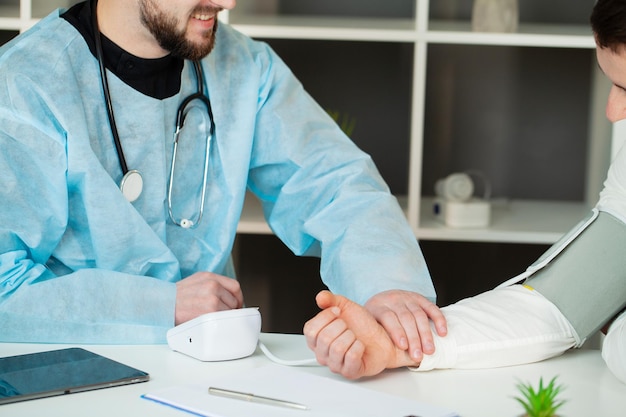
[{"x": 157, "y": 78}]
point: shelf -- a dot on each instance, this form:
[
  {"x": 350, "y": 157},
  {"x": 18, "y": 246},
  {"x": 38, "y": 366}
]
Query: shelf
[
  {"x": 516, "y": 221},
  {"x": 252, "y": 220},
  {"x": 538, "y": 35},
  {"x": 9, "y": 23},
  {"x": 404, "y": 30},
  {"x": 327, "y": 28}
]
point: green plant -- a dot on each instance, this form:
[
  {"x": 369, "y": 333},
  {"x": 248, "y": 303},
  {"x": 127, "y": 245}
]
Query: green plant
[
  {"x": 541, "y": 402},
  {"x": 345, "y": 122}
]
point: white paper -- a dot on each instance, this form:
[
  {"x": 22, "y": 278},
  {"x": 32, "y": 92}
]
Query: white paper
[{"x": 324, "y": 397}]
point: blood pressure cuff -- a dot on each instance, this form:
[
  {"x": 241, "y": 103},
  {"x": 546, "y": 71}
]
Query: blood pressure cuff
[{"x": 586, "y": 280}]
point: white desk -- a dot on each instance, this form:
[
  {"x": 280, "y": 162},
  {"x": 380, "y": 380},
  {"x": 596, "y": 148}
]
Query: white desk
[{"x": 590, "y": 388}]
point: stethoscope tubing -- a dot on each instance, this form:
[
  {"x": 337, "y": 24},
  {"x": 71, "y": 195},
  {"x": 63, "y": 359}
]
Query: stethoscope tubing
[
  {"x": 180, "y": 120},
  {"x": 105, "y": 88},
  {"x": 132, "y": 181}
]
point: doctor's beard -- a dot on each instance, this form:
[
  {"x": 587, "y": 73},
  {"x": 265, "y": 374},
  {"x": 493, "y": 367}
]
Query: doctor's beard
[{"x": 164, "y": 29}]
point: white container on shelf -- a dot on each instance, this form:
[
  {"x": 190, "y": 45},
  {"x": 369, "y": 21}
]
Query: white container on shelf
[{"x": 495, "y": 16}]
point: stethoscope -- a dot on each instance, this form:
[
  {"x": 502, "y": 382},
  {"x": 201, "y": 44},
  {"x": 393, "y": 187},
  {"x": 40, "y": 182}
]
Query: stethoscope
[{"x": 132, "y": 181}]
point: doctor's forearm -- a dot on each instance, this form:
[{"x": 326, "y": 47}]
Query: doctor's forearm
[{"x": 90, "y": 306}]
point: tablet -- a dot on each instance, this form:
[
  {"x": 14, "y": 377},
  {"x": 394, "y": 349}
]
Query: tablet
[{"x": 58, "y": 372}]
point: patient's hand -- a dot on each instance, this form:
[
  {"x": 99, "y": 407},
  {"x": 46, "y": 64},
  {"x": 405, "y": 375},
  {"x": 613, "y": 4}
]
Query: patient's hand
[{"x": 346, "y": 338}]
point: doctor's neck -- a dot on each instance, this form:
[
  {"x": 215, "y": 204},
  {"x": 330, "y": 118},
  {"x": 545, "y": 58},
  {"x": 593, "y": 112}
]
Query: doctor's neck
[{"x": 120, "y": 21}]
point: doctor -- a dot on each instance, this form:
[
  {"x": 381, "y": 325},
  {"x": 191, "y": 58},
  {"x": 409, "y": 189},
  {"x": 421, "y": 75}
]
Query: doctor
[
  {"x": 577, "y": 287},
  {"x": 130, "y": 131}
]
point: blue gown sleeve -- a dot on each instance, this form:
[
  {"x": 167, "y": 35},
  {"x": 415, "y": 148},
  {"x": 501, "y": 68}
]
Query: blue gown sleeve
[
  {"x": 324, "y": 197},
  {"x": 89, "y": 306}
]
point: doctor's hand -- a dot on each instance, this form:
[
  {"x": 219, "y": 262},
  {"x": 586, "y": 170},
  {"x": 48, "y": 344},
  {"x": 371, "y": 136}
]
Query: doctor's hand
[
  {"x": 205, "y": 292},
  {"x": 345, "y": 337},
  {"x": 406, "y": 316}
]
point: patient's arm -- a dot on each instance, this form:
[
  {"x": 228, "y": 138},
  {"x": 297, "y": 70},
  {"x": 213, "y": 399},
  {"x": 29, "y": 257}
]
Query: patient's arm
[
  {"x": 346, "y": 338},
  {"x": 502, "y": 327},
  {"x": 614, "y": 348}
]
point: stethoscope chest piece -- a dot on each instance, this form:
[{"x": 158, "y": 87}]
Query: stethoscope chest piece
[{"x": 132, "y": 185}]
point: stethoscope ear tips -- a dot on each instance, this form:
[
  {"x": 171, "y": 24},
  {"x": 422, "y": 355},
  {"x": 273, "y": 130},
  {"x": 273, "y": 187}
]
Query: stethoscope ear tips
[{"x": 186, "y": 223}]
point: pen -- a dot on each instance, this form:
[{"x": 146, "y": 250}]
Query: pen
[{"x": 220, "y": 392}]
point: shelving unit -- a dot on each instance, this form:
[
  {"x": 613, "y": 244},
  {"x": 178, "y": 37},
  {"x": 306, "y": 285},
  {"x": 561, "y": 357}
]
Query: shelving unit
[{"x": 514, "y": 220}]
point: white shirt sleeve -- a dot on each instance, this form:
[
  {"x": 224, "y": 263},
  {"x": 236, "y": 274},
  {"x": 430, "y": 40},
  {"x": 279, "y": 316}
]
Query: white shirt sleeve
[
  {"x": 613, "y": 195},
  {"x": 614, "y": 348},
  {"x": 502, "y": 327}
]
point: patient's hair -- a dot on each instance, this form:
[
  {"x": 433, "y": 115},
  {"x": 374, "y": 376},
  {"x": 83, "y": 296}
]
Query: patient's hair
[{"x": 608, "y": 22}]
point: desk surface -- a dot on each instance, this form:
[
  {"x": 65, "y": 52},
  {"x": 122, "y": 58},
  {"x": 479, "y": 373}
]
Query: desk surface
[{"x": 590, "y": 388}]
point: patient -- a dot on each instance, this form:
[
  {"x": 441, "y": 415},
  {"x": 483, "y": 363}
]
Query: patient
[{"x": 577, "y": 287}]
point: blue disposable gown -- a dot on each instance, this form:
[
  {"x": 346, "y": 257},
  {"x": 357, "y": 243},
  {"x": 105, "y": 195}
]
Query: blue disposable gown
[{"x": 80, "y": 264}]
